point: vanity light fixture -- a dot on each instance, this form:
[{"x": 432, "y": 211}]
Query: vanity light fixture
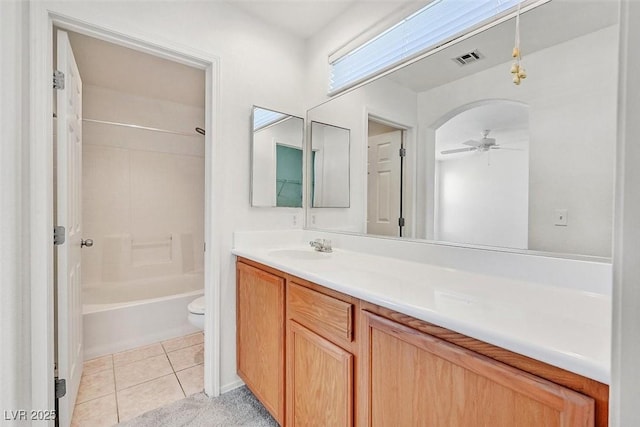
[{"x": 517, "y": 69}]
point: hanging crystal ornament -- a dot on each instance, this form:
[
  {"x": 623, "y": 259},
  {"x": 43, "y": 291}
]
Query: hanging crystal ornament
[{"x": 517, "y": 69}]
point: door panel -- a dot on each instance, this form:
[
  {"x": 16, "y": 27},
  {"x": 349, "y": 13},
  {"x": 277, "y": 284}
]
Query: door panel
[
  {"x": 319, "y": 380},
  {"x": 384, "y": 184},
  {"x": 260, "y": 336},
  {"x": 413, "y": 378},
  {"x": 68, "y": 215}
]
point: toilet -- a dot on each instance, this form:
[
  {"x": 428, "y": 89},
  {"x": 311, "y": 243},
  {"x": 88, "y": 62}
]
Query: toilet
[{"x": 196, "y": 312}]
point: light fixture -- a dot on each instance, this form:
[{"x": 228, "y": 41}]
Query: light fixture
[{"x": 517, "y": 69}]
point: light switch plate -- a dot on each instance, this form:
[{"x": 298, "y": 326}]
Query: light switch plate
[{"x": 560, "y": 217}]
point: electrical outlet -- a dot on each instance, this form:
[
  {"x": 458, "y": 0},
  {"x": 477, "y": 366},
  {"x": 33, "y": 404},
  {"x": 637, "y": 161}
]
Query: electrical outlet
[
  {"x": 294, "y": 222},
  {"x": 560, "y": 217},
  {"x": 313, "y": 220}
]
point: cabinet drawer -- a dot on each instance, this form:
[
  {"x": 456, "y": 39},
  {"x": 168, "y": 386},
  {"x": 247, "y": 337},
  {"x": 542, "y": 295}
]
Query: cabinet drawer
[{"x": 326, "y": 315}]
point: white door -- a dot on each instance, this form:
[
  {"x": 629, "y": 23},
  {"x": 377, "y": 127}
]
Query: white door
[
  {"x": 384, "y": 184},
  {"x": 68, "y": 209}
]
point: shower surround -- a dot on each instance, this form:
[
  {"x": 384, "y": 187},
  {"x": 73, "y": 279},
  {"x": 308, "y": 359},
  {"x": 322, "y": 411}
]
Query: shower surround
[{"x": 143, "y": 206}]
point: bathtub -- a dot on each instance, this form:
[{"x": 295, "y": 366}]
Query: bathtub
[{"x": 118, "y": 316}]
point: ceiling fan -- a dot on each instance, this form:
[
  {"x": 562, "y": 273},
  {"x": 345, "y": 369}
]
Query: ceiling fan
[{"x": 484, "y": 144}]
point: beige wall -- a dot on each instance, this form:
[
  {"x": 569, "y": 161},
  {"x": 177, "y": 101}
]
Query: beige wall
[{"x": 143, "y": 191}]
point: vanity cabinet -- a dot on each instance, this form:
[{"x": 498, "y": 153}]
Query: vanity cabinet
[
  {"x": 320, "y": 356},
  {"x": 260, "y": 333},
  {"x": 324, "y": 358},
  {"x": 411, "y": 378}
]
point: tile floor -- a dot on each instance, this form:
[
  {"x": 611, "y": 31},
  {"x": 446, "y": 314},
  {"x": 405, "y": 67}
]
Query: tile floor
[{"x": 121, "y": 386}]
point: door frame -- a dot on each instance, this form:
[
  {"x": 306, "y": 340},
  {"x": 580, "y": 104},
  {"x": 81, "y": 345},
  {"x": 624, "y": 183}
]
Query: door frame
[
  {"x": 409, "y": 177},
  {"x": 41, "y": 267}
]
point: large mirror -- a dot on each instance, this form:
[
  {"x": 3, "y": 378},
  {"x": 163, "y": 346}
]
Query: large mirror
[
  {"x": 329, "y": 169},
  {"x": 459, "y": 154},
  {"x": 276, "y": 159}
]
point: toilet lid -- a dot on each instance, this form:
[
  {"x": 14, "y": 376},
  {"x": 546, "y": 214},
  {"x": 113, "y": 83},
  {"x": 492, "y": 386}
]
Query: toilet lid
[{"x": 196, "y": 306}]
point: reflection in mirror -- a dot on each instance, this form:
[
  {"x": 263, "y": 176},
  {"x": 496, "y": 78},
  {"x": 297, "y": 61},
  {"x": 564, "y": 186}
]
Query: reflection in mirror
[
  {"x": 489, "y": 163},
  {"x": 276, "y": 170},
  {"x": 481, "y": 180},
  {"x": 329, "y": 166},
  {"x": 384, "y": 179}
]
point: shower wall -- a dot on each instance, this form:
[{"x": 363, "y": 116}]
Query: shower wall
[{"x": 143, "y": 191}]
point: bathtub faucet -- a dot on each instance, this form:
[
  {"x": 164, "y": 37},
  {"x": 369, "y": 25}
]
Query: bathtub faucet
[{"x": 321, "y": 245}]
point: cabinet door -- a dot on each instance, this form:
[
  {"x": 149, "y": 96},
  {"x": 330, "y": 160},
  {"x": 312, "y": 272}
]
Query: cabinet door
[
  {"x": 260, "y": 336},
  {"x": 319, "y": 380},
  {"x": 414, "y": 379}
]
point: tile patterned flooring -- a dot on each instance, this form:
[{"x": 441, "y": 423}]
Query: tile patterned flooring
[{"x": 121, "y": 386}]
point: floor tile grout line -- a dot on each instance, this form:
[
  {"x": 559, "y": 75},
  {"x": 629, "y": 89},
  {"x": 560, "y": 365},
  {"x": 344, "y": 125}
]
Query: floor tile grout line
[
  {"x": 146, "y": 381},
  {"x": 92, "y": 399},
  {"x": 193, "y": 366},
  {"x": 180, "y": 384},
  {"x": 115, "y": 388},
  {"x": 171, "y": 364},
  {"x": 138, "y": 360}
]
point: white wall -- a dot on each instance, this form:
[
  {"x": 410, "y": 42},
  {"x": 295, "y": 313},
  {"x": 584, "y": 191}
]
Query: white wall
[
  {"x": 289, "y": 132},
  {"x": 482, "y": 199},
  {"x": 572, "y": 132},
  {"x": 141, "y": 186},
  {"x": 15, "y": 288},
  {"x": 331, "y": 170}
]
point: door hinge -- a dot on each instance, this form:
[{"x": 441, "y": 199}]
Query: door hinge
[
  {"x": 400, "y": 222},
  {"x": 403, "y": 152},
  {"x": 60, "y": 387},
  {"x": 58, "y": 235},
  {"x": 58, "y": 80}
]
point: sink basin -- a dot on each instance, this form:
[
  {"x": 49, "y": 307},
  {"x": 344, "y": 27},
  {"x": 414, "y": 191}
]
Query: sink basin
[{"x": 299, "y": 254}]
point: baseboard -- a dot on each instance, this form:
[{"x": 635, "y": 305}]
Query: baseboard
[{"x": 231, "y": 386}]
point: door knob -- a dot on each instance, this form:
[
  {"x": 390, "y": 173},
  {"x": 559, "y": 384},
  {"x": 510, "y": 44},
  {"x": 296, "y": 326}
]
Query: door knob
[{"x": 88, "y": 243}]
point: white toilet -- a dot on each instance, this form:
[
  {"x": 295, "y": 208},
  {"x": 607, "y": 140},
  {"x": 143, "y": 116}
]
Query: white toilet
[{"x": 196, "y": 312}]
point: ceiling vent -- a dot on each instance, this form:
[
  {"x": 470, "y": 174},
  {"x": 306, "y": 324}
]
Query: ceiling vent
[{"x": 468, "y": 58}]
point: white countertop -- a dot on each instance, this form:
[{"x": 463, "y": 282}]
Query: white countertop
[{"x": 564, "y": 327}]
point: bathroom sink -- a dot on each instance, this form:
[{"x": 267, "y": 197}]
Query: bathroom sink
[{"x": 299, "y": 254}]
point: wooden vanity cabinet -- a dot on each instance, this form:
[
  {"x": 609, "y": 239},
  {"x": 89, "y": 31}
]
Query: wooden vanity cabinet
[
  {"x": 320, "y": 356},
  {"x": 414, "y": 379},
  {"x": 260, "y": 333},
  {"x": 317, "y": 357}
]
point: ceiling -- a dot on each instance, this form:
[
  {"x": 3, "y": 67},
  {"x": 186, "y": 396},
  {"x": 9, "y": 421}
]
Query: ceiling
[
  {"x": 540, "y": 28},
  {"x": 126, "y": 70},
  {"x": 301, "y": 18}
]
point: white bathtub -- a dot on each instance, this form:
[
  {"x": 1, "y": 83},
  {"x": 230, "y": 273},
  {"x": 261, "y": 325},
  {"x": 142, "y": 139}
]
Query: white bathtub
[{"x": 123, "y": 315}]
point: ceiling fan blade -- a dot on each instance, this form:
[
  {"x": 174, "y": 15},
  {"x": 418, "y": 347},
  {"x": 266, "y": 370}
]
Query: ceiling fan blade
[
  {"x": 472, "y": 143},
  {"x": 499, "y": 147},
  {"x": 458, "y": 150}
]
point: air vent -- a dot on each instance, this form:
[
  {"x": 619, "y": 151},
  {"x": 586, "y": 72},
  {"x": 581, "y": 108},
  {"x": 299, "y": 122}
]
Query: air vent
[{"x": 468, "y": 58}]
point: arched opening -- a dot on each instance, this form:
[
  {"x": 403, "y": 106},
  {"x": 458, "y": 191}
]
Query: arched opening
[{"x": 481, "y": 193}]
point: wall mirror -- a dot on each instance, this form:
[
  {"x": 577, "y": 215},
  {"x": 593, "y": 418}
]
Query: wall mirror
[
  {"x": 329, "y": 166},
  {"x": 459, "y": 154},
  {"x": 276, "y": 159}
]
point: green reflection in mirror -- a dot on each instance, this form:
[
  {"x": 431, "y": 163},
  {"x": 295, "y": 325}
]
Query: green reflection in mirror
[{"x": 288, "y": 176}]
